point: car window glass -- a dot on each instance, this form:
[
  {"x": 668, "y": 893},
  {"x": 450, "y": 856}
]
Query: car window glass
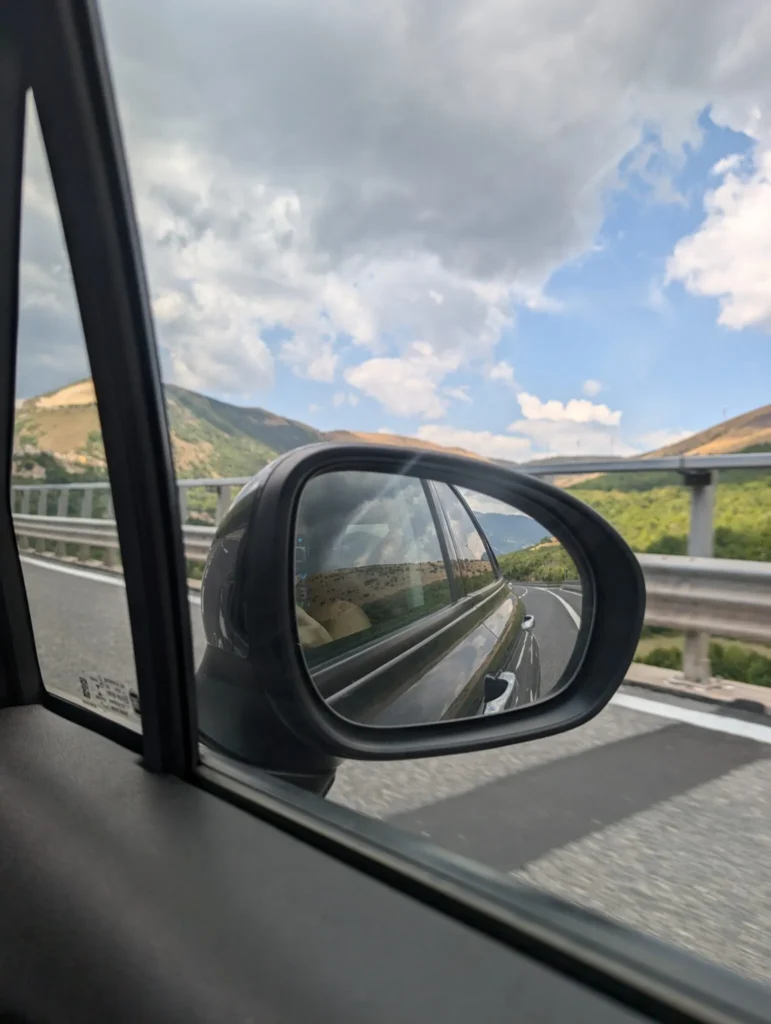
[
  {"x": 344, "y": 243},
  {"x": 62, "y": 501},
  {"x": 368, "y": 562},
  {"x": 474, "y": 565}
]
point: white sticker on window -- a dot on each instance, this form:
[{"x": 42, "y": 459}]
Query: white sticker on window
[{"x": 108, "y": 696}]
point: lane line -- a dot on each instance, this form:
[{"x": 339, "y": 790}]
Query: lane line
[
  {"x": 701, "y": 719},
  {"x": 568, "y": 608},
  {"x": 87, "y": 574},
  {"x": 521, "y": 656}
]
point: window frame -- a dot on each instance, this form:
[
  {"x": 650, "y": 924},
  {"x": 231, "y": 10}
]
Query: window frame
[
  {"x": 376, "y": 654},
  {"x": 453, "y": 541},
  {"x": 61, "y": 58},
  {"x": 624, "y": 965}
]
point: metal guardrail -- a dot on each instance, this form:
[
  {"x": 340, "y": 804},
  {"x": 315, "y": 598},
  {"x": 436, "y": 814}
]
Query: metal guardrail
[
  {"x": 719, "y": 596},
  {"x": 101, "y": 533},
  {"x": 666, "y": 588},
  {"x": 707, "y": 595},
  {"x": 672, "y": 463}
]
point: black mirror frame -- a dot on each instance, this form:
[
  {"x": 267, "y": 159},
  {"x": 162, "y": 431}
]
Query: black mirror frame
[{"x": 611, "y": 619}]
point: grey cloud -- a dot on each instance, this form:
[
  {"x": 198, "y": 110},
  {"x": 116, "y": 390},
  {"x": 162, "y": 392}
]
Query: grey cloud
[
  {"x": 477, "y": 131},
  {"x": 296, "y": 161}
]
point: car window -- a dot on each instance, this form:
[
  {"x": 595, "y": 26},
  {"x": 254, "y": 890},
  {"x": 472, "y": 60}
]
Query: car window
[
  {"x": 342, "y": 245},
  {"x": 62, "y": 499},
  {"x": 368, "y": 561},
  {"x": 473, "y": 561}
]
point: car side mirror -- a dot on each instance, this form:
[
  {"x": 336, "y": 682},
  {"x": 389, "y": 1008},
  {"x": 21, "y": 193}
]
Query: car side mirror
[{"x": 396, "y": 603}]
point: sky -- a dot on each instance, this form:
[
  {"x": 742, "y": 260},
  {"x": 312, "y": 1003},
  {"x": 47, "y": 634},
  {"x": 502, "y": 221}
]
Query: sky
[{"x": 523, "y": 227}]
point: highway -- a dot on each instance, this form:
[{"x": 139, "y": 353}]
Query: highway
[
  {"x": 557, "y": 614},
  {"x": 656, "y": 813}
]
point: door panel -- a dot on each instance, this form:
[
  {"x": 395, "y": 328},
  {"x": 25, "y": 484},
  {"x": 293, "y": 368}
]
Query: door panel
[{"x": 442, "y": 676}]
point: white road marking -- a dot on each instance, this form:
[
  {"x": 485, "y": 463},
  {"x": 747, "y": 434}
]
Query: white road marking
[
  {"x": 521, "y": 656},
  {"x": 87, "y": 574},
  {"x": 701, "y": 719},
  {"x": 571, "y": 611}
]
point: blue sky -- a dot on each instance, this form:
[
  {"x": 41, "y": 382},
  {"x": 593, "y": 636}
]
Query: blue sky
[{"x": 658, "y": 351}]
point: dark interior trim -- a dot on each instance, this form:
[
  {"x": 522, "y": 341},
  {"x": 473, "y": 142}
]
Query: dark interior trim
[
  {"x": 93, "y": 721},
  {"x": 20, "y": 681},
  {"x": 660, "y": 981},
  {"x": 79, "y": 122}
]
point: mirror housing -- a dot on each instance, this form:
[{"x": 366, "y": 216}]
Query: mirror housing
[{"x": 252, "y": 628}]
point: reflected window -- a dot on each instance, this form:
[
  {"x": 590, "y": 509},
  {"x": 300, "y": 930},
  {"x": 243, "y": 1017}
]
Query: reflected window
[
  {"x": 368, "y": 560},
  {"x": 473, "y": 560}
]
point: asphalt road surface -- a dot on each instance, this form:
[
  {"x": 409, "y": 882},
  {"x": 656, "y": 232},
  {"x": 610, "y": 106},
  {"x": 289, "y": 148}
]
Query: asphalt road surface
[
  {"x": 656, "y": 813},
  {"x": 557, "y": 614}
]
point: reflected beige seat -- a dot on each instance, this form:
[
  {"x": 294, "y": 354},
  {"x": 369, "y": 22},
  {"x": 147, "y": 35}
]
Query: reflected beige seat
[{"x": 341, "y": 618}]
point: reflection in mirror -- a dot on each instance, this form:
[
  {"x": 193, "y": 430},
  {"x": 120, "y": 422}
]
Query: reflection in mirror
[{"x": 418, "y": 602}]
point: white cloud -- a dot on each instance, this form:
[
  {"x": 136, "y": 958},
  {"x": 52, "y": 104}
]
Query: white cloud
[
  {"x": 575, "y": 427},
  {"x": 502, "y": 371},
  {"x": 459, "y": 394},
  {"x": 310, "y": 358},
  {"x": 577, "y": 410},
  {"x": 483, "y": 442},
  {"x": 550, "y": 437},
  {"x": 413, "y": 172},
  {"x": 408, "y": 385},
  {"x": 661, "y": 438},
  {"x": 591, "y": 387},
  {"x": 729, "y": 256},
  {"x": 342, "y": 398}
]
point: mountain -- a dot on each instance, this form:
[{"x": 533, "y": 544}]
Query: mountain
[
  {"x": 508, "y": 533},
  {"x": 749, "y": 430},
  {"x": 58, "y": 436},
  {"x": 399, "y": 440}
]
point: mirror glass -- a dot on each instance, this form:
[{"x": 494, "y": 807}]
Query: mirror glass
[{"x": 418, "y": 602}]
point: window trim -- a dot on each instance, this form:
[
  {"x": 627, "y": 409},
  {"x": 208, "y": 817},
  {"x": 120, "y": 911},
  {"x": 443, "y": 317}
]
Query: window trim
[
  {"x": 20, "y": 681},
  {"x": 445, "y": 540},
  {"x": 488, "y": 547},
  {"x": 453, "y": 540},
  {"x": 68, "y": 72}
]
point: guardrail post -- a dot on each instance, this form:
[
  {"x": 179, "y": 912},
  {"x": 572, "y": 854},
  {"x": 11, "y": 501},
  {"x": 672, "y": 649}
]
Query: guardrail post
[
  {"x": 109, "y": 553},
  {"x": 182, "y": 492},
  {"x": 25, "y": 496},
  {"x": 703, "y": 484},
  {"x": 41, "y": 509},
  {"x": 86, "y": 512},
  {"x": 62, "y": 507},
  {"x": 224, "y": 497}
]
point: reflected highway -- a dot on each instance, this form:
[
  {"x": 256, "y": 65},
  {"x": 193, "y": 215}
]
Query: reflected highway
[{"x": 557, "y": 613}]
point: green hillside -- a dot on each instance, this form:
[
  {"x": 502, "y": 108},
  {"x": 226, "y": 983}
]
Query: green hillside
[
  {"x": 58, "y": 436},
  {"x": 542, "y": 563},
  {"x": 652, "y": 512}
]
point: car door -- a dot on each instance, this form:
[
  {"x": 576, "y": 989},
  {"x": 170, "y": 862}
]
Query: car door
[
  {"x": 389, "y": 631},
  {"x": 512, "y": 655}
]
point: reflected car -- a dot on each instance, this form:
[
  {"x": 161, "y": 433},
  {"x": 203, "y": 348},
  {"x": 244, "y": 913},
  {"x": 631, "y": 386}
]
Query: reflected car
[{"x": 403, "y": 613}]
